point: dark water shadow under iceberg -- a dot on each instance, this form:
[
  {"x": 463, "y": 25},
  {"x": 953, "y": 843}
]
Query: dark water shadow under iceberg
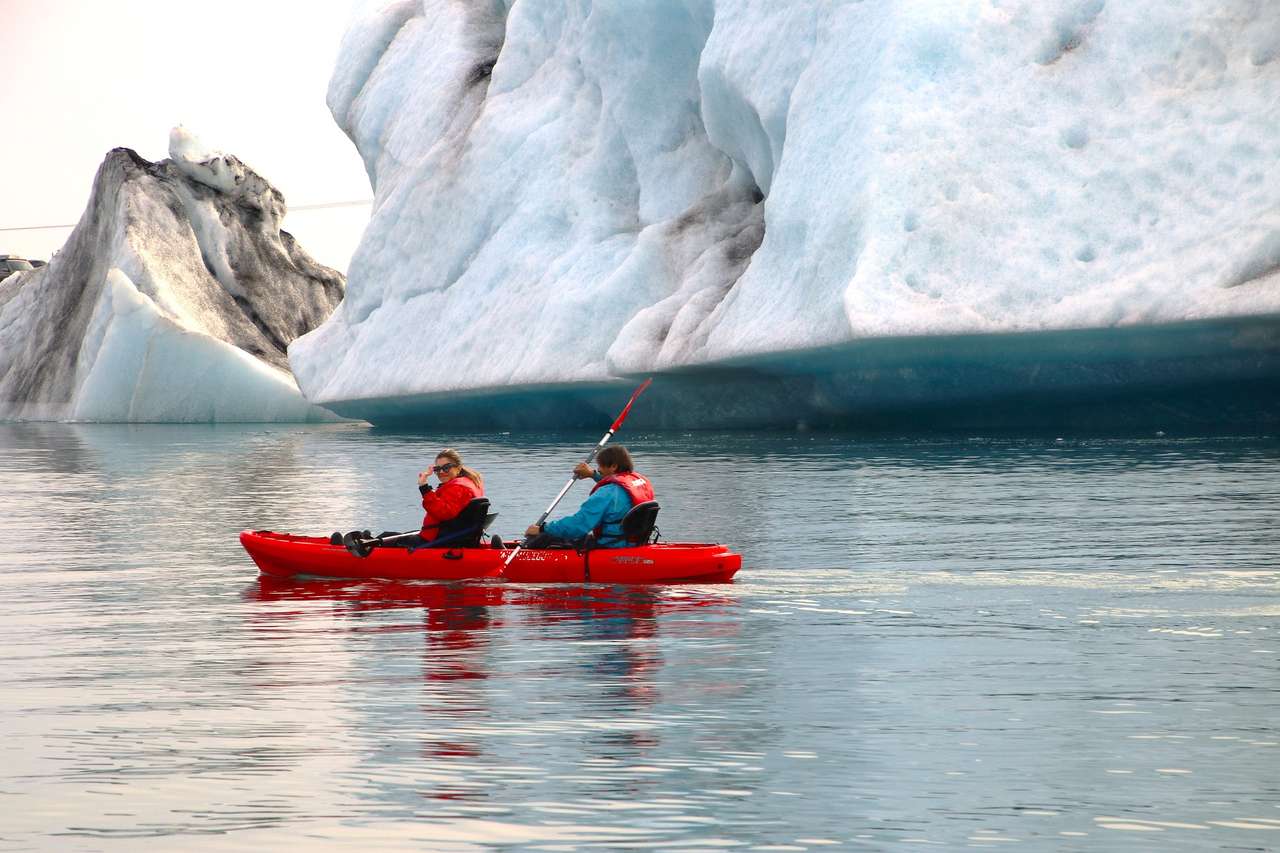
[{"x": 1220, "y": 376}]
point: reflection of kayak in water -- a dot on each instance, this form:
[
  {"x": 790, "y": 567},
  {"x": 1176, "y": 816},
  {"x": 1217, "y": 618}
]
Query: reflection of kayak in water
[
  {"x": 470, "y": 601},
  {"x": 285, "y": 555}
]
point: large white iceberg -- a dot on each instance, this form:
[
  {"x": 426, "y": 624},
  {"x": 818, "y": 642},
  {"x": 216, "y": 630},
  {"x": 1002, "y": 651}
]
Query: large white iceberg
[
  {"x": 566, "y": 193},
  {"x": 174, "y": 299}
]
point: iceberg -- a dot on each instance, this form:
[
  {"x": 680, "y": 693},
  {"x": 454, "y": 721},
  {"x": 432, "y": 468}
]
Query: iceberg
[
  {"x": 174, "y": 299},
  {"x": 833, "y": 208}
]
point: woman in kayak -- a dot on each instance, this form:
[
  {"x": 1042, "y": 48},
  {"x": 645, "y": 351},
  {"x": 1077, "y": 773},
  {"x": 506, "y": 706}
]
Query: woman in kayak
[
  {"x": 618, "y": 488},
  {"x": 459, "y": 485}
]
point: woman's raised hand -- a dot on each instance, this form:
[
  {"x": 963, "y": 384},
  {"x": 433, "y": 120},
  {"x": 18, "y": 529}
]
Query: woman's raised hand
[
  {"x": 423, "y": 476},
  {"x": 582, "y": 471}
]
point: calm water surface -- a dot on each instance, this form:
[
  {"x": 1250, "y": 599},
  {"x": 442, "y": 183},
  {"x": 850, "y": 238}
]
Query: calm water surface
[{"x": 1044, "y": 645}]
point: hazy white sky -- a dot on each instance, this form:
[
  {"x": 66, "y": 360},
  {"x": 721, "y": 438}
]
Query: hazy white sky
[{"x": 80, "y": 77}]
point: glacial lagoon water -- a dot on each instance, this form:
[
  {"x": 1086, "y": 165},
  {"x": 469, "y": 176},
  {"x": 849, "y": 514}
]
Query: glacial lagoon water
[{"x": 1032, "y": 644}]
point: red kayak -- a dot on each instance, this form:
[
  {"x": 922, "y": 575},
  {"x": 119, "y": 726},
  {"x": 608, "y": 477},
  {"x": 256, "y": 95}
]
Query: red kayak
[{"x": 286, "y": 555}]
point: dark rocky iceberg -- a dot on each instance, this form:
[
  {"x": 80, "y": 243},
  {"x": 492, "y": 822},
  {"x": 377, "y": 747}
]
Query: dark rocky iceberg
[{"x": 174, "y": 299}]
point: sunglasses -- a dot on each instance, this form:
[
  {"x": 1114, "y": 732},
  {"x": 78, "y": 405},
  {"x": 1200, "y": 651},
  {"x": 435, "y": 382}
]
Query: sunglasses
[{"x": 440, "y": 469}]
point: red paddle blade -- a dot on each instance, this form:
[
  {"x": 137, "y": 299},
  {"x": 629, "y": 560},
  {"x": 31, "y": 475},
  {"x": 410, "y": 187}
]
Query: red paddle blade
[{"x": 622, "y": 417}]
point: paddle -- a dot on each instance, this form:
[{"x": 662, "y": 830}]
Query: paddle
[
  {"x": 590, "y": 456},
  {"x": 362, "y": 547}
]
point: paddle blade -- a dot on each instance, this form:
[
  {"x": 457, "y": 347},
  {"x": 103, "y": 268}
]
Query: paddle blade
[
  {"x": 622, "y": 417},
  {"x": 356, "y": 546}
]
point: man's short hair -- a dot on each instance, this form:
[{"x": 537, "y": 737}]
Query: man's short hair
[{"x": 616, "y": 456}]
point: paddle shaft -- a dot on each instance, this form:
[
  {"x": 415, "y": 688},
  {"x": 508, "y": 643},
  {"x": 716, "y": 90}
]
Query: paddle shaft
[
  {"x": 361, "y": 548},
  {"x": 590, "y": 456},
  {"x": 384, "y": 540}
]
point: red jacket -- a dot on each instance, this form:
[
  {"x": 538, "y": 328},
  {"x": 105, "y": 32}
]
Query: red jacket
[
  {"x": 637, "y": 488},
  {"x": 446, "y": 502}
]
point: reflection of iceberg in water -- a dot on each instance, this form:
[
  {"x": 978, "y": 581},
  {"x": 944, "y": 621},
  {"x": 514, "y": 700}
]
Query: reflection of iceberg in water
[
  {"x": 1220, "y": 374},
  {"x": 236, "y": 474}
]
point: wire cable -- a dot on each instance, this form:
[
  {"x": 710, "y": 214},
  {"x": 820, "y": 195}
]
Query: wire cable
[{"x": 320, "y": 206}]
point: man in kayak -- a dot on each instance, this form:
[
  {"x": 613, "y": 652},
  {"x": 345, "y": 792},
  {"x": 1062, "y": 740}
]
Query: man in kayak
[
  {"x": 618, "y": 488},
  {"x": 459, "y": 486}
]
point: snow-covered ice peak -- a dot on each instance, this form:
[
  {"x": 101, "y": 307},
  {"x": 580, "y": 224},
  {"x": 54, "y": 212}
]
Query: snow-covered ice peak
[
  {"x": 571, "y": 192},
  {"x": 174, "y": 299},
  {"x": 224, "y": 173}
]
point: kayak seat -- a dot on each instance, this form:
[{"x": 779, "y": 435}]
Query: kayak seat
[
  {"x": 465, "y": 529},
  {"x": 638, "y": 527},
  {"x": 639, "y": 524}
]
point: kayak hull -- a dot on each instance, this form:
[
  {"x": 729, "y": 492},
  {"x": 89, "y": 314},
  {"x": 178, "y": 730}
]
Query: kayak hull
[{"x": 286, "y": 555}]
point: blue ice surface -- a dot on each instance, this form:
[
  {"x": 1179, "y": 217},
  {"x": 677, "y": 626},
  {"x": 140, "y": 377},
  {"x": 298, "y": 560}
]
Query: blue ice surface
[{"x": 1219, "y": 376}]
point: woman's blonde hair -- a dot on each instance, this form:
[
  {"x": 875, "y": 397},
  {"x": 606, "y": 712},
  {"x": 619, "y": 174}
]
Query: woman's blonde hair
[{"x": 463, "y": 471}]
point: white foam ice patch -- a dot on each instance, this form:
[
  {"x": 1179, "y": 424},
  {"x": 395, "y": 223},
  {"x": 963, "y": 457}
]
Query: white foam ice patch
[
  {"x": 211, "y": 238},
  {"x": 139, "y": 364},
  {"x": 225, "y": 173},
  {"x": 209, "y": 167}
]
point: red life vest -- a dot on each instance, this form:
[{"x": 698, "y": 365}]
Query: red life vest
[
  {"x": 638, "y": 488},
  {"x": 452, "y": 497},
  {"x": 469, "y": 484}
]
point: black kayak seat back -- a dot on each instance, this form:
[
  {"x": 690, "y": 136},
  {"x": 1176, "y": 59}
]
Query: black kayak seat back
[
  {"x": 465, "y": 529},
  {"x": 638, "y": 526}
]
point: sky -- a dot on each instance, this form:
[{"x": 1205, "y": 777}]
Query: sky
[{"x": 248, "y": 77}]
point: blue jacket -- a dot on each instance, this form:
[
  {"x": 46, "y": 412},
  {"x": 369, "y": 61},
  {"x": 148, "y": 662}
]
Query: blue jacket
[{"x": 608, "y": 505}]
